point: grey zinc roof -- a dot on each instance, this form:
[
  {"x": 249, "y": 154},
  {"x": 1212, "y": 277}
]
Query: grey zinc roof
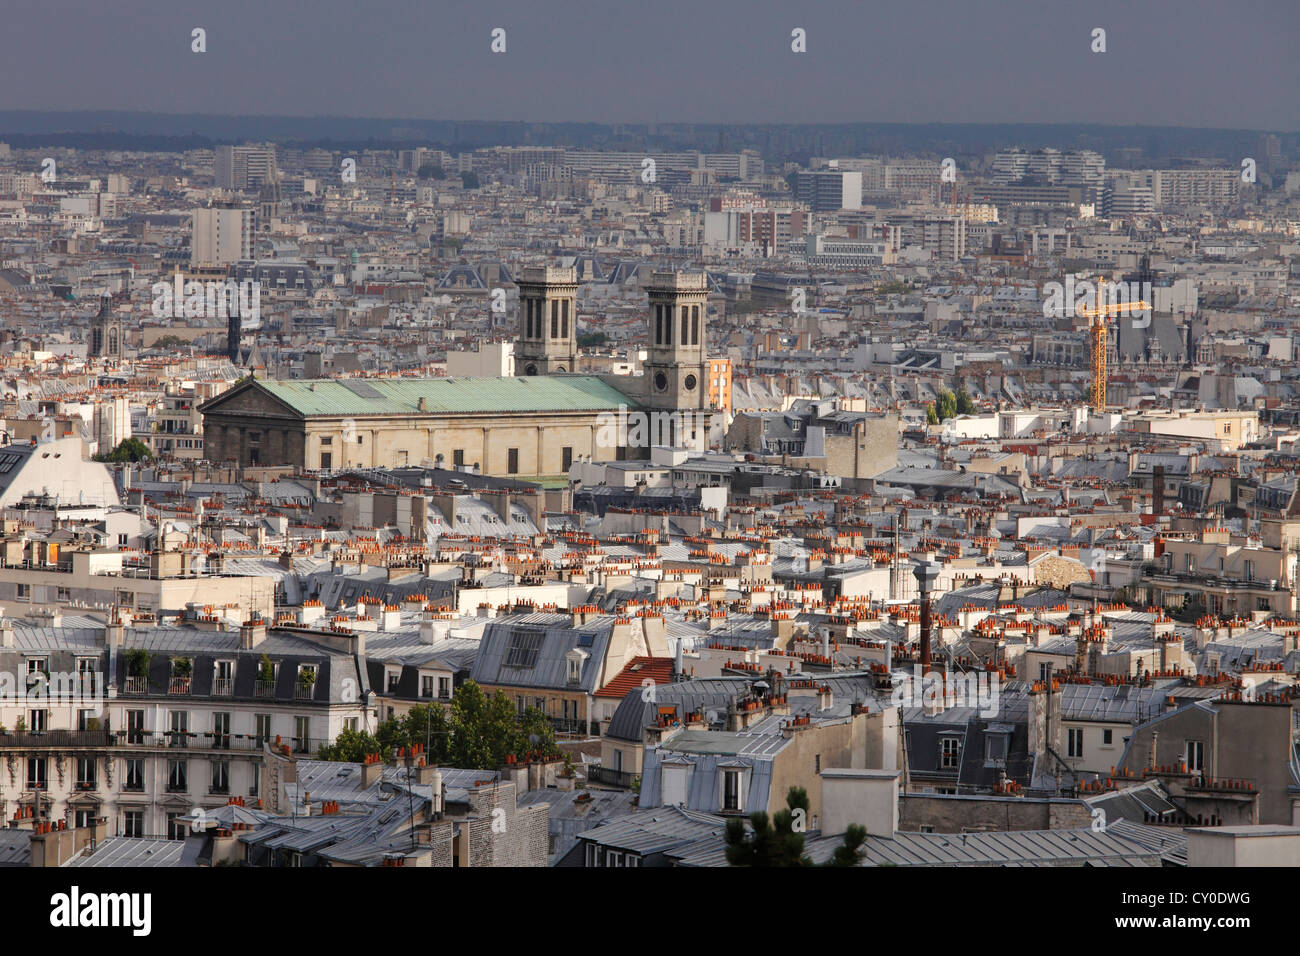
[
  {"x": 656, "y": 831},
  {"x": 549, "y": 669},
  {"x": 135, "y": 852}
]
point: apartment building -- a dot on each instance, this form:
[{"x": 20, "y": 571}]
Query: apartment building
[
  {"x": 244, "y": 167},
  {"x": 141, "y": 724}
]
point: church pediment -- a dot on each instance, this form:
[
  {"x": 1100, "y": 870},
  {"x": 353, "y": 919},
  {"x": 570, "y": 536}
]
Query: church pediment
[{"x": 248, "y": 397}]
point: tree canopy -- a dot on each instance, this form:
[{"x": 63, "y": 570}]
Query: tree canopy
[
  {"x": 478, "y": 732},
  {"x": 775, "y": 843},
  {"x": 129, "y": 449}
]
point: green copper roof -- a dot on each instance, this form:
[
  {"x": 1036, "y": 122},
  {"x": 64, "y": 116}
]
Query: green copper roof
[{"x": 401, "y": 396}]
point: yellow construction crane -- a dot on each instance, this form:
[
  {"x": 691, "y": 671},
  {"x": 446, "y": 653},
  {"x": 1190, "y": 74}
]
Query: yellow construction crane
[{"x": 1097, "y": 324}]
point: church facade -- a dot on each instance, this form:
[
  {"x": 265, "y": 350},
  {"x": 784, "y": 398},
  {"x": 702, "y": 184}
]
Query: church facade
[{"x": 535, "y": 424}]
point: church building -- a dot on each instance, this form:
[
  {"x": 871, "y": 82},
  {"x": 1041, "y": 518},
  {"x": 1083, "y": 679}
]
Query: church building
[{"x": 534, "y": 424}]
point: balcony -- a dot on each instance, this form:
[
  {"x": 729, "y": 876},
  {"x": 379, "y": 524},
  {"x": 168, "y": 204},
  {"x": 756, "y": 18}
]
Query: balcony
[
  {"x": 304, "y": 691},
  {"x": 223, "y": 687},
  {"x": 84, "y": 785},
  {"x": 179, "y": 685},
  {"x": 136, "y": 686},
  {"x": 264, "y": 688},
  {"x": 177, "y": 786},
  {"x": 613, "y": 778},
  {"x": 57, "y": 739}
]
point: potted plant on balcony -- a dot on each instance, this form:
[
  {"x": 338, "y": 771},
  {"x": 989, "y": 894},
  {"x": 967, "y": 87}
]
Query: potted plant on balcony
[
  {"x": 137, "y": 662},
  {"x": 182, "y": 667},
  {"x": 267, "y": 670}
]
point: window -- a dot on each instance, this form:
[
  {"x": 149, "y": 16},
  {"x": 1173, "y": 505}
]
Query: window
[
  {"x": 177, "y": 776},
  {"x": 327, "y": 441},
  {"x": 949, "y": 753},
  {"x": 512, "y": 461},
  {"x": 134, "y": 775},
  {"x": 1074, "y": 742},
  {"x": 85, "y": 773},
  {"x": 326, "y": 460},
  {"x": 566, "y": 458},
  {"x": 221, "y": 731},
  {"x": 525, "y": 645},
  {"x": 1195, "y": 756},
  {"x": 350, "y": 723},
  {"x": 36, "y": 777},
  {"x": 731, "y": 790},
  {"x": 262, "y": 727},
  {"x": 122, "y": 540},
  {"x": 1107, "y": 737},
  {"x": 458, "y": 458},
  {"x": 817, "y": 763},
  {"x": 995, "y": 748},
  {"x": 178, "y": 727},
  {"x": 135, "y": 726},
  {"x": 1044, "y": 671},
  {"x": 87, "y": 676},
  {"x": 38, "y": 720},
  {"x": 301, "y": 734},
  {"x": 220, "y": 776},
  {"x": 133, "y": 823},
  {"x": 426, "y": 685},
  {"x": 444, "y": 688},
  {"x": 176, "y": 830},
  {"x": 35, "y": 671},
  {"x": 63, "y": 594},
  {"x": 24, "y": 592},
  {"x": 394, "y": 678},
  {"x": 255, "y": 768}
]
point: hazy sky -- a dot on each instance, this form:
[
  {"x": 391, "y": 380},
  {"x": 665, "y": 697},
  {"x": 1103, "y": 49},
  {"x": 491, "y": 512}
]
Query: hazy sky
[{"x": 1204, "y": 63}]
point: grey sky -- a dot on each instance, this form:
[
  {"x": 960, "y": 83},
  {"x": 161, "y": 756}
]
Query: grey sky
[{"x": 1202, "y": 63}]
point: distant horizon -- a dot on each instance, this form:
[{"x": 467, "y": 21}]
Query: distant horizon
[{"x": 479, "y": 120}]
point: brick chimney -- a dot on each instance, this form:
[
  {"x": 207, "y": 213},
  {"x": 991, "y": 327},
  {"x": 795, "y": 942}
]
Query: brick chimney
[
  {"x": 252, "y": 633},
  {"x": 371, "y": 771}
]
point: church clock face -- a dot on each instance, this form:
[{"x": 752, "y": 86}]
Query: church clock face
[
  {"x": 661, "y": 382},
  {"x": 690, "y": 383}
]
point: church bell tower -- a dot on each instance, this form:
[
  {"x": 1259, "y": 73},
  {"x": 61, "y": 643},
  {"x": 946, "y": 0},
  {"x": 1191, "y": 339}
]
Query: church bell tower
[{"x": 548, "y": 321}]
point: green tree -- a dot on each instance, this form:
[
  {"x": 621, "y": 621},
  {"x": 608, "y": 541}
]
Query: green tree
[
  {"x": 947, "y": 405},
  {"x": 431, "y": 171},
  {"x": 469, "y": 179},
  {"x": 129, "y": 449},
  {"x": 931, "y": 417},
  {"x": 478, "y": 732},
  {"x": 353, "y": 746},
  {"x": 778, "y": 843},
  {"x": 170, "y": 342},
  {"x": 587, "y": 340},
  {"x": 846, "y": 854},
  {"x": 965, "y": 404}
]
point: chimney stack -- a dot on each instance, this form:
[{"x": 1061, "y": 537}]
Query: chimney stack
[
  {"x": 252, "y": 633},
  {"x": 926, "y": 573}
]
